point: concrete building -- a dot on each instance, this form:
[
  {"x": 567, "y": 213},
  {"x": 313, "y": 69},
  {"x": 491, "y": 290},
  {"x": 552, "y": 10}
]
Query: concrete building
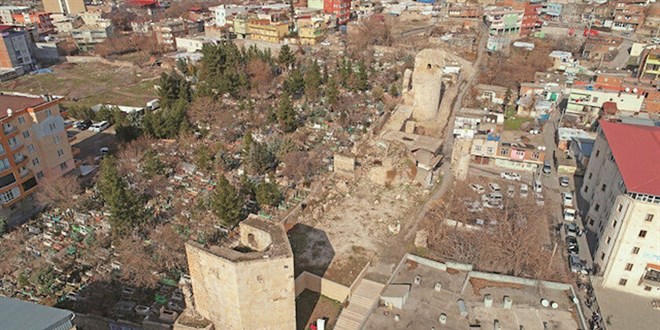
[
  {"x": 340, "y": 8},
  {"x": 88, "y": 36},
  {"x": 650, "y": 67},
  {"x": 193, "y": 44},
  {"x": 167, "y": 31},
  {"x": 265, "y": 30},
  {"x": 16, "y": 52},
  {"x": 221, "y": 12},
  {"x": 310, "y": 32},
  {"x": 40, "y": 20},
  {"x": 622, "y": 187},
  {"x": 65, "y": 6},
  {"x": 585, "y": 103},
  {"x": 34, "y": 146},
  {"x": 246, "y": 284},
  {"x": 503, "y": 20},
  {"x": 7, "y": 13},
  {"x": 19, "y": 315}
]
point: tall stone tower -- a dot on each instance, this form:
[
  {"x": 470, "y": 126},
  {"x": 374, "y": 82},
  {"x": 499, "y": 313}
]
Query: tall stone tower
[
  {"x": 246, "y": 284},
  {"x": 427, "y": 84}
]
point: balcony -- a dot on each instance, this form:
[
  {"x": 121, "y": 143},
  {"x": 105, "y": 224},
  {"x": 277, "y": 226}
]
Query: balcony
[
  {"x": 15, "y": 146},
  {"x": 19, "y": 159},
  {"x": 22, "y": 173},
  {"x": 10, "y": 129},
  {"x": 652, "y": 277}
]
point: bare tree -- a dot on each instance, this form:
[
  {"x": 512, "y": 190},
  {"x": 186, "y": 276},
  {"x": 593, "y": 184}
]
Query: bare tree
[
  {"x": 59, "y": 192},
  {"x": 137, "y": 263},
  {"x": 261, "y": 75}
]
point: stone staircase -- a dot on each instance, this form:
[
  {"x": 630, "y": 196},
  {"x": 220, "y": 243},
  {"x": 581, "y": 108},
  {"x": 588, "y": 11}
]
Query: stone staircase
[{"x": 363, "y": 299}]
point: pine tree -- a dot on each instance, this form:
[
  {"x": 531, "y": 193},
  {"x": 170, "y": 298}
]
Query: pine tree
[
  {"x": 362, "y": 82},
  {"x": 393, "y": 90},
  {"x": 286, "y": 57},
  {"x": 312, "y": 82},
  {"x": 125, "y": 206},
  {"x": 286, "y": 116},
  {"x": 332, "y": 91},
  {"x": 226, "y": 203},
  {"x": 248, "y": 140},
  {"x": 152, "y": 164},
  {"x": 295, "y": 83},
  {"x": 268, "y": 193},
  {"x": 345, "y": 72}
]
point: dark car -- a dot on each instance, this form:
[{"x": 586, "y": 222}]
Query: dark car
[
  {"x": 572, "y": 244},
  {"x": 83, "y": 125}
]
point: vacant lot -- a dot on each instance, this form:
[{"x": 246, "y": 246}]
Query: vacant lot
[
  {"x": 311, "y": 306},
  {"x": 92, "y": 83}
]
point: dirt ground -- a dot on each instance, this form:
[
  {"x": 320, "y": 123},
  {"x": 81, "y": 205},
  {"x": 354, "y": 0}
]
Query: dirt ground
[
  {"x": 92, "y": 83},
  {"x": 310, "y": 306}
]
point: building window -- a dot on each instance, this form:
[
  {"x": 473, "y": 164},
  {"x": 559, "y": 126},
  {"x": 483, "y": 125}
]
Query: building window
[
  {"x": 603, "y": 187},
  {"x": 30, "y": 148},
  {"x": 477, "y": 148},
  {"x": 609, "y": 239},
  {"x": 590, "y": 175},
  {"x": 629, "y": 267},
  {"x": 504, "y": 152},
  {"x": 597, "y": 207},
  {"x": 60, "y": 153},
  {"x": 602, "y": 256},
  {"x": 63, "y": 166},
  {"x": 35, "y": 161},
  {"x": 21, "y": 120},
  {"x": 9, "y": 195},
  {"x": 635, "y": 250},
  {"x": 647, "y": 288},
  {"x": 57, "y": 140},
  {"x": 648, "y": 218},
  {"x": 40, "y": 174},
  {"x": 52, "y": 126},
  {"x": 591, "y": 222},
  {"x": 642, "y": 233},
  {"x": 49, "y": 112},
  {"x": 614, "y": 224},
  {"x": 622, "y": 282},
  {"x": 26, "y": 134},
  {"x": 597, "y": 153},
  {"x": 619, "y": 208},
  {"x": 586, "y": 188}
]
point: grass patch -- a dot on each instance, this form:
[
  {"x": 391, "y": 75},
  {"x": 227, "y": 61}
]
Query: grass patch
[{"x": 513, "y": 123}]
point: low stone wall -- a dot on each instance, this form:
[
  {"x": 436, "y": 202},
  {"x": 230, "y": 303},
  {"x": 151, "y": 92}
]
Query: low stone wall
[
  {"x": 94, "y": 59},
  {"x": 328, "y": 288}
]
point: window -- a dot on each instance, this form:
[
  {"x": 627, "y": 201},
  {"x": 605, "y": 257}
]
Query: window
[
  {"x": 52, "y": 126},
  {"x": 49, "y": 112},
  {"x": 602, "y": 256},
  {"x": 648, "y": 218},
  {"x": 591, "y": 222},
  {"x": 477, "y": 148},
  {"x": 642, "y": 233},
  {"x": 504, "y": 152},
  {"x": 614, "y": 224},
  {"x": 30, "y": 148},
  {"x": 60, "y": 153},
  {"x": 21, "y": 120},
  {"x": 586, "y": 188},
  {"x": 590, "y": 175},
  {"x": 622, "y": 282},
  {"x": 603, "y": 187},
  {"x": 629, "y": 267},
  {"x": 597, "y": 207},
  {"x": 35, "y": 161},
  {"x": 9, "y": 195},
  {"x": 647, "y": 288},
  {"x": 594, "y": 99},
  {"x": 40, "y": 174},
  {"x": 26, "y": 134},
  {"x": 57, "y": 140},
  {"x": 609, "y": 239},
  {"x": 597, "y": 153},
  {"x": 619, "y": 208},
  {"x": 63, "y": 166},
  {"x": 635, "y": 250}
]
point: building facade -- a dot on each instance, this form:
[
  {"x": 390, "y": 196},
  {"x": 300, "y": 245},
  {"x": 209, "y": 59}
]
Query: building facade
[
  {"x": 40, "y": 20},
  {"x": 265, "y": 30},
  {"x": 34, "y": 146},
  {"x": 249, "y": 285},
  {"x": 16, "y": 50},
  {"x": 622, "y": 186},
  {"x": 504, "y": 21},
  {"x": 7, "y": 13},
  {"x": 340, "y": 8},
  {"x": 64, "y": 6},
  {"x": 168, "y": 30}
]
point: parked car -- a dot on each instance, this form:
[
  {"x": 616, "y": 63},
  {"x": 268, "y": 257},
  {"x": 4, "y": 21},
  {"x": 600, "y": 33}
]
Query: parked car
[
  {"x": 494, "y": 187},
  {"x": 510, "y": 191},
  {"x": 574, "y": 263},
  {"x": 478, "y": 188},
  {"x": 571, "y": 229},
  {"x": 510, "y": 176},
  {"x": 524, "y": 190},
  {"x": 547, "y": 168},
  {"x": 83, "y": 125},
  {"x": 572, "y": 245},
  {"x": 492, "y": 196},
  {"x": 567, "y": 199},
  {"x": 563, "y": 181},
  {"x": 538, "y": 187},
  {"x": 569, "y": 214},
  {"x": 474, "y": 207},
  {"x": 539, "y": 200},
  {"x": 104, "y": 151},
  {"x": 100, "y": 126}
]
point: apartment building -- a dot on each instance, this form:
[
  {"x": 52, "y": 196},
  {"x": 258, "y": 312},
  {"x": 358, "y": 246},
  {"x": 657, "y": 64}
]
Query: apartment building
[
  {"x": 168, "y": 30},
  {"x": 7, "y": 13},
  {"x": 585, "y": 103},
  {"x": 504, "y": 21},
  {"x": 622, "y": 186},
  {"x": 512, "y": 155},
  {"x": 628, "y": 17},
  {"x": 265, "y": 30},
  {"x": 650, "y": 67},
  {"x": 65, "y": 6},
  {"x": 40, "y": 20},
  {"x": 34, "y": 147},
  {"x": 88, "y": 36},
  {"x": 340, "y": 8},
  {"x": 16, "y": 52},
  {"x": 310, "y": 32}
]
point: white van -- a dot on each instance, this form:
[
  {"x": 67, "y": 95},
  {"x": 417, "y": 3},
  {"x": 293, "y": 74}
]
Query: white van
[
  {"x": 99, "y": 127},
  {"x": 153, "y": 104}
]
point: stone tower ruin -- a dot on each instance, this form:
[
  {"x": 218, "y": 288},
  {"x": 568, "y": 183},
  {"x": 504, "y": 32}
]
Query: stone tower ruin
[{"x": 427, "y": 84}]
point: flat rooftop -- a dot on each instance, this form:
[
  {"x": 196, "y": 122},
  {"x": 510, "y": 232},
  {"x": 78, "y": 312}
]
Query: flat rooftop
[
  {"x": 425, "y": 304},
  {"x": 20, "y": 315},
  {"x": 623, "y": 310},
  {"x": 17, "y": 102}
]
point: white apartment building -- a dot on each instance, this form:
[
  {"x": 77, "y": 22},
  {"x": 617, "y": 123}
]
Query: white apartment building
[
  {"x": 222, "y": 11},
  {"x": 586, "y": 104},
  {"x": 622, "y": 186}
]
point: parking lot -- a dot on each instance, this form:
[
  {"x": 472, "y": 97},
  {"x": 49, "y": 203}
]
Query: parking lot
[{"x": 90, "y": 143}]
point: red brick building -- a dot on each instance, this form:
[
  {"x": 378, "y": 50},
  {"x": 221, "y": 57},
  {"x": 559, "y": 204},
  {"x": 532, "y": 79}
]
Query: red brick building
[{"x": 341, "y": 8}]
